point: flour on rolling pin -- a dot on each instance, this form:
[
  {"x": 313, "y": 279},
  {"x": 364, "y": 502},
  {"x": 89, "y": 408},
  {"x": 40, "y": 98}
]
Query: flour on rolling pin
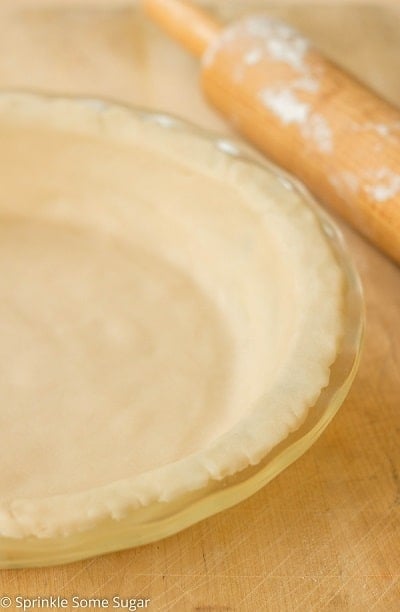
[
  {"x": 282, "y": 43},
  {"x": 259, "y": 40},
  {"x": 302, "y": 110},
  {"x": 381, "y": 184}
]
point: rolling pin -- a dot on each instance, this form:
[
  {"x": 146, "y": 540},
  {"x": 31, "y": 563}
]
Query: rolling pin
[{"x": 300, "y": 109}]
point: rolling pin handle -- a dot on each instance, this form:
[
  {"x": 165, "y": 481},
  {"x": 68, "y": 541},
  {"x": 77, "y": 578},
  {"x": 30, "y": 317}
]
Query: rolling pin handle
[{"x": 190, "y": 26}]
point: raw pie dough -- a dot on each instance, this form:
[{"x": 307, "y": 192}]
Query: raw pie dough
[{"x": 168, "y": 313}]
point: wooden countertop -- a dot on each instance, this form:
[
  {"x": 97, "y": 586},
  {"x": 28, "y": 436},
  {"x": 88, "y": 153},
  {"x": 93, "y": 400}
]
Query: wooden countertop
[{"x": 325, "y": 534}]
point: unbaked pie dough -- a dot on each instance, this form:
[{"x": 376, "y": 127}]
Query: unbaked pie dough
[{"x": 168, "y": 313}]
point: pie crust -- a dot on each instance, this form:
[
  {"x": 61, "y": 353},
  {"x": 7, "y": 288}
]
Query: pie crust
[{"x": 169, "y": 312}]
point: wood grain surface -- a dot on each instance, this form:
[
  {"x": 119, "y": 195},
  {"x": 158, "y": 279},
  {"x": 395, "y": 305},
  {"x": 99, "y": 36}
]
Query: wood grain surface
[{"x": 325, "y": 534}]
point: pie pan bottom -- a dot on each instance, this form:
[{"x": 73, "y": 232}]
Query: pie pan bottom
[{"x": 153, "y": 518}]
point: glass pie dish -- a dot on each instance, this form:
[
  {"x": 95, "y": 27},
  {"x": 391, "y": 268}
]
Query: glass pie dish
[{"x": 151, "y": 519}]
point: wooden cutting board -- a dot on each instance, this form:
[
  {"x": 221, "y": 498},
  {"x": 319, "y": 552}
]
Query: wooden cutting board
[{"x": 325, "y": 535}]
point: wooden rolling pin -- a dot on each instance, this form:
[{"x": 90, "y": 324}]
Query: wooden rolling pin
[{"x": 303, "y": 111}]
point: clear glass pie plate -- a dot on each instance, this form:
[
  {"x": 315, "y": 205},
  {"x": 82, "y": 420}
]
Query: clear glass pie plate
[{"x": 159, "y": 520}]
